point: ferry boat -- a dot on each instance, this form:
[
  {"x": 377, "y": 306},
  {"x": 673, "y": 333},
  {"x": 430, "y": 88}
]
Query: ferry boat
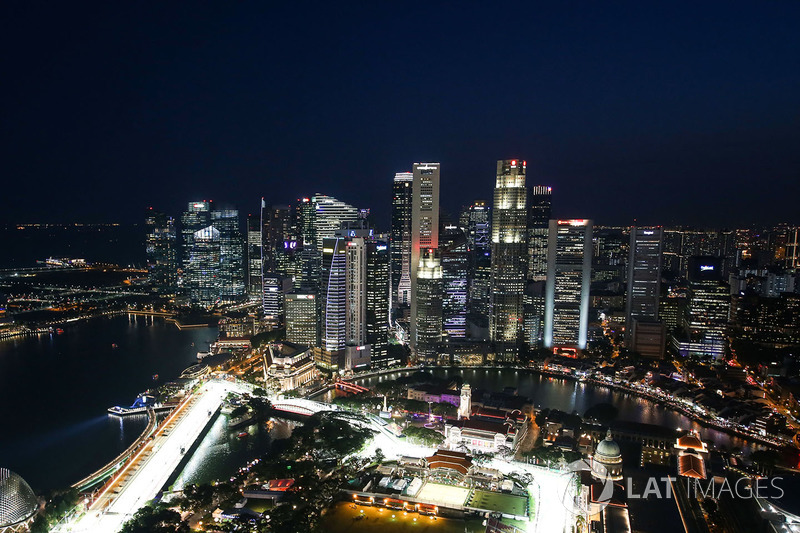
[
  {"x": 201, "y": 355},
  {"x": 243, "y": 434}
]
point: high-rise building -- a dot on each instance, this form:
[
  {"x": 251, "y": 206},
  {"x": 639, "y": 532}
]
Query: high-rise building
[
  {"x": 479, "y": 235},
  {"x": 301, "y": 313},
  {"x": 162, "y": 252},
  {"x": 272, "y": 299},
  {"x": 539, "y": 209},
  {"x": 203, "y": 267},
  {"x": 329, "y": 215},
  {"x": 428, "y": 297},
  {"x": 231, "y": 255},
  {"x": 644, "y": 274},
  {"x": 509, "y": 258},
  {"x": 196, "y": 217},
  {"x": 402, "y": 189},
  {"x": 424, "y": 226},
  {"x": 709, "y": 305},
  {"x": 455, "y": 268},
  {"x": 334, "y": 294},
  {"x": 378, "y": 301},
  {"x": 255, "y": 251},
  {"x": 644, "y": 287},
  {"x": 569, "y": 262}
]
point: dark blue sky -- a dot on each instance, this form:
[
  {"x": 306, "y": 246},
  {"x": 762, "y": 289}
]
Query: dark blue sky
[{"x": 669, "y": 113}]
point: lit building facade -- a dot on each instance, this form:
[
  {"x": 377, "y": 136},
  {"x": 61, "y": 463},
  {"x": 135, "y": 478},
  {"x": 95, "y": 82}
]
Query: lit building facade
[
  {"x": 455, "y": 268},
  {"x": 569, "y": 265},
  {"x": 231, "y": 255},
  {"x": 301, "y": 318},
  {"x": 644, "y": 289},
  {"x": 709, "y": 304},
  {"x": 402, "y": 190},
  {"x": 272, "y": 299},
  {"x": 479, "y": 234},
  {"x": 509, "y": 258},
  {"x": 255, "y": 251},
  {"x": 428, "y": 297},
  {"x": 539, "y": 210},
  {"x": 162, "y": 252},
  {"x": 424, "y": 229}
]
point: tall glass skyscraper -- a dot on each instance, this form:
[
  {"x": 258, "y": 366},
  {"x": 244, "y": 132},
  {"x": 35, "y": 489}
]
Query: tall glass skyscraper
[
  {"x": 539, "y": 209},
  {"x": 509, "y": 258},
  {"x": 428, "y": 297},
  {"x": 424, "y": 228},
  {"x": 644, "y": 276},
  {"x": 255, "y": 251},
  {"x": 402, "y": 189},
  {"x": 162, "y": 252},
  {"x": 455, "y": 267},
  {"x": 569, "y": 269},
  {"x": 231, "y": 255}
]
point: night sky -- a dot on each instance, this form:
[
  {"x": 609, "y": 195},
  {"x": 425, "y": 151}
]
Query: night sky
[{"x": 670, "y": 113}]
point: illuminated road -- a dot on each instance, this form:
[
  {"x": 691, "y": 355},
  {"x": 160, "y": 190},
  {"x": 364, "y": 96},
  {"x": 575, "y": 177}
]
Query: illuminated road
[{"x": 142, "y": 479}]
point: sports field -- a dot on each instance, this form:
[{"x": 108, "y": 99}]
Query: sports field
[
  {"x": 445, "y": 495},
  {"x": 496, "y": 501}
]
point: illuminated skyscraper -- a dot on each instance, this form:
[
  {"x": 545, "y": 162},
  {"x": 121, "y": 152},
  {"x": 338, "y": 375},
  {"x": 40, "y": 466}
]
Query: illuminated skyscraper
[
  {"x": 509, "y": 258},
  {"x": 569, "y": 265},
  {"x": 255, "y": 251},
  {"x": 709, "y": 306},
  {"x": 334, "y": 294},
  {"x": 539, "y": 208},
  {"x": 329, "y": 215},
  {"x": 301, "y": 318},
  {"x": 424, "y": 227},
  {"x": 162, "y": 252},
  {"x": 479, "y": 217},
  {"x": 428, "y": 296},
  {"x": 272, "y": 299},
  {"x": 231, "y": 255},
  {"x": 455, "y": 267},
  {"x": 401, "y": 235},
  {"x": 644, "y": 276}
]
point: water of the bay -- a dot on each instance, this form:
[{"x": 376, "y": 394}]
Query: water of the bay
[
  {"x": 575, "y": 396},
  {"x": 55, "y": 389}
]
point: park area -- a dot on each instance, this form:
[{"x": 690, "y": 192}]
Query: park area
[
  {"x": 508, "y": 504},
  {"x": 444, "y": 495}
]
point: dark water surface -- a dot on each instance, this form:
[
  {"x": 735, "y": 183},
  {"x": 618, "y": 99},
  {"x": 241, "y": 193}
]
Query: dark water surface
[{"x": 55, "y": 389}]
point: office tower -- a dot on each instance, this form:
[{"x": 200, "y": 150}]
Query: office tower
[
  {"x": 428, "y": 296},
  {"x": 277, "y": 228},
  {"x": 329, "y": 215},
  {"x": 539, "y": 208},
  {"x": 644, "y": 292},
  {"x": 402, "y": 190},
  {"x": 478, "y": 222},
  {"x": 333, "y": 295},
  {"x": 479, "y": 233},
  {"x": 455, "y": 267},
  {"x": 272, "y": 299},
  {"x": 300, "y": 311},
  {"x": 231, "y": 255},
  {"x": 255, "y": 252},
  {"x": 424, "y": 225},
  {"x": 162, "y": 252},
  {"x": 378, "y": 301},
  {"x": 509, "y": 258},
  {"x": 200, "y": 260},
  {"x": 709, "y": 306},
  {"x": 569, "y": 262},
  {"x": 203, "y": 267},
  {"x": 196, "y": 217},
  {"x": 308, "y": 255}
]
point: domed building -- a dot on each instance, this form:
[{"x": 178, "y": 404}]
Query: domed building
[
  {"x": 18, "y": 503},
  {"x": 608, "y": 459}
]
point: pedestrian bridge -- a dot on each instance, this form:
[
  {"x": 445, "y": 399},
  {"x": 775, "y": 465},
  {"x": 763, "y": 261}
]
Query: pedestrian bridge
[{"x": 302, "y": 406}]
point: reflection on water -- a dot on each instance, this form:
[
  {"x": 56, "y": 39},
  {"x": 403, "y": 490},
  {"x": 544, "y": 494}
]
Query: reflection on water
[
  {"x": 222, "y": 452},
  {"x": 572, "y": 396}
]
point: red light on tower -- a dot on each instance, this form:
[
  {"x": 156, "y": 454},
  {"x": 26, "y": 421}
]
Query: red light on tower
[{"x": 514, "y": 163}]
